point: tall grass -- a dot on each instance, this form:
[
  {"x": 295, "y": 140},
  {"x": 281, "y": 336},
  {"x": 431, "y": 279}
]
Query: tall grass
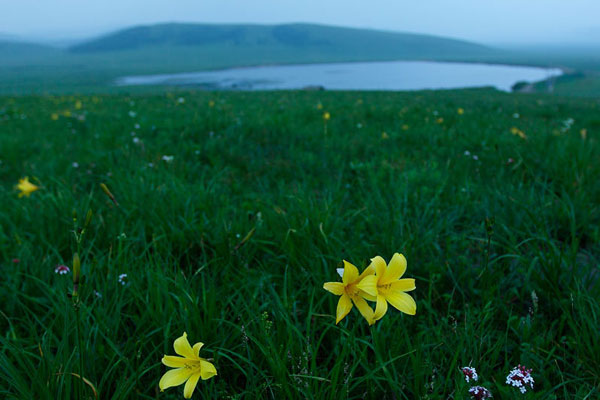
[{"x": 232, "y": 240}]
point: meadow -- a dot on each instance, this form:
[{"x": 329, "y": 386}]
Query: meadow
[{"x": 231, "y": 210}]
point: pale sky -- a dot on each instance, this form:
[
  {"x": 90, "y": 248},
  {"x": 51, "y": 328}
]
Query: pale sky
[{"x": 485, "y": 21}]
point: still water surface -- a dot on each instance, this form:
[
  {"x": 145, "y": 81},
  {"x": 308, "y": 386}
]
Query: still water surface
[{"x": 389, "y": 75}]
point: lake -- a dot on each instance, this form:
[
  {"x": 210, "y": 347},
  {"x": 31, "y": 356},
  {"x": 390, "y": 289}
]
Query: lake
[{"x": 389, "y": 75}]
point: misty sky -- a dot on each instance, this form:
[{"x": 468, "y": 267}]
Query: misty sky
[{"x": 487, "y": 21}]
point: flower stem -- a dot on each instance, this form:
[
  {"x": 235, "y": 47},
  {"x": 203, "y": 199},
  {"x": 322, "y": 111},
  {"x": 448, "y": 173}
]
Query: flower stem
[{"x": 80, "y": 350}]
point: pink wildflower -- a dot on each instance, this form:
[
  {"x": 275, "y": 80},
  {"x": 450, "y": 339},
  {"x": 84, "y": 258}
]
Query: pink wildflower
[
  {"x": 61, "y": 269},
  {"x": 480, "y": 393},
  {"x": 521, "y": 378},
  {"x": 470, "y": 373}
]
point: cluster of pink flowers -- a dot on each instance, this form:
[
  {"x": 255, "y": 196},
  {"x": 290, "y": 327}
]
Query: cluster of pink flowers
[
  {"x": 470, "y": 373},
  {"x": 479, "y": 393},
  {"x": 521, "y": 378},
  {"x": 61, "y": 269},
  {"x": 476, "y": 392},
  {"x": 123, "y": 279}
]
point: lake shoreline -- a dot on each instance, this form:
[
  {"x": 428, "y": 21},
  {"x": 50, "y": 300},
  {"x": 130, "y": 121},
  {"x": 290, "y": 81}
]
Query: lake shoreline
[{"x": 360, "y": 75}]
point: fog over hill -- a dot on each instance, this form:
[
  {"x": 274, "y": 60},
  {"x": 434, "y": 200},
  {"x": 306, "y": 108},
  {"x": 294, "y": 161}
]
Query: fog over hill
[{"x": 300, "y": 37}]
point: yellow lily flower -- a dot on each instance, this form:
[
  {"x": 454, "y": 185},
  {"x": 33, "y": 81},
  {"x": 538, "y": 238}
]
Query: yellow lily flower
[
  {"x": 326, "y": 116},
  {"x": 517, "y": 132},
  {"x": 391, "y": 289},
  {"x": 189, "y": 368},
  {"x": 353, "y": 289},
  {"x": 26, "y": 187}
]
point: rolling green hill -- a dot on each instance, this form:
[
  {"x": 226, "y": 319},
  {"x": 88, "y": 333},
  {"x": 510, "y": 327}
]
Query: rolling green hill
[
  {"x": 304, "y": 39},
  {"x": 18, "y": 53}
]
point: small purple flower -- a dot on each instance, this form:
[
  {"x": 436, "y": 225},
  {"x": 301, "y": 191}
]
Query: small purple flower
[
  {"x": 480, "y": 393},
  {"x": 61, "y": 270},
  {"x": 470, "y": 373},
  {"x": 520, "y": 377}
]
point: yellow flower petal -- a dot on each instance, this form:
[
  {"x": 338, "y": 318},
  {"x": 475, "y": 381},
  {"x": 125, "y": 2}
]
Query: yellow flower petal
[
  {"x": 379, "y": 264},
  {"x": 405, "y": 285},
  {"x": 207, "y": 370},
  {"x": 367, "y": 296},
  {"x": 190, "y": 385},
  {"x": 197, "y": 348},
  {"x": 381, "y": 308},
  {"x": 26, "y": 187},
  {"x": 336, "y": 288},
  {"x": 368, "y": 285},
  {"x": 395, "y": 269},
  {"x": 350, "y": 273},
  {"x": 174, "y": 361},
  {"x": 368, "y": 271},
  {"x": 183, "y": 348},
  {"x": 402, "y": 301},
  {"x": 174, "y": 377},
  {"x": 364, "y": 309},
  {"x": 343, "y": 308}
]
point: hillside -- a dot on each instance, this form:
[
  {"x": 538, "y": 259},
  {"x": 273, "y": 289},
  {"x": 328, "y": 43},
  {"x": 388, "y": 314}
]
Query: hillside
[
  {"x": 303, "y": 39},
  {"x": 15, "y": 53}
]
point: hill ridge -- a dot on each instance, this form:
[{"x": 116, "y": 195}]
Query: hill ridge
[{"x": 292, "y": 35}]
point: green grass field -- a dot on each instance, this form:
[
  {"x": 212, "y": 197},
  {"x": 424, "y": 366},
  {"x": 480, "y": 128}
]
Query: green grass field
[{"x": 232, "y": 239}]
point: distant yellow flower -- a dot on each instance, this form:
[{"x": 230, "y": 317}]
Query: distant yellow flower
[
  {"x": 67, "y": 113},
  {"x": 517, "y": 132},
  {"x": 190, "y": 367},
  {"x": 319, "y": 106},
  {"x": 211, "y": 103},
  {"x": 384, "y": 135},
  {"x": 460, "y": 111},
  {"x": 440, "y": 120},
  {"x": 54, "y": 116},
  {"x": 326, "y": 116},
  {"x": 583, "y": 134},
  {"x": 405, "y": 127},
  {"x": 78, "y": 105},
  {"x": 353, "y": 289},
  {"x": 391, "y": 289},
  {"x": 26, "y": 187}
]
